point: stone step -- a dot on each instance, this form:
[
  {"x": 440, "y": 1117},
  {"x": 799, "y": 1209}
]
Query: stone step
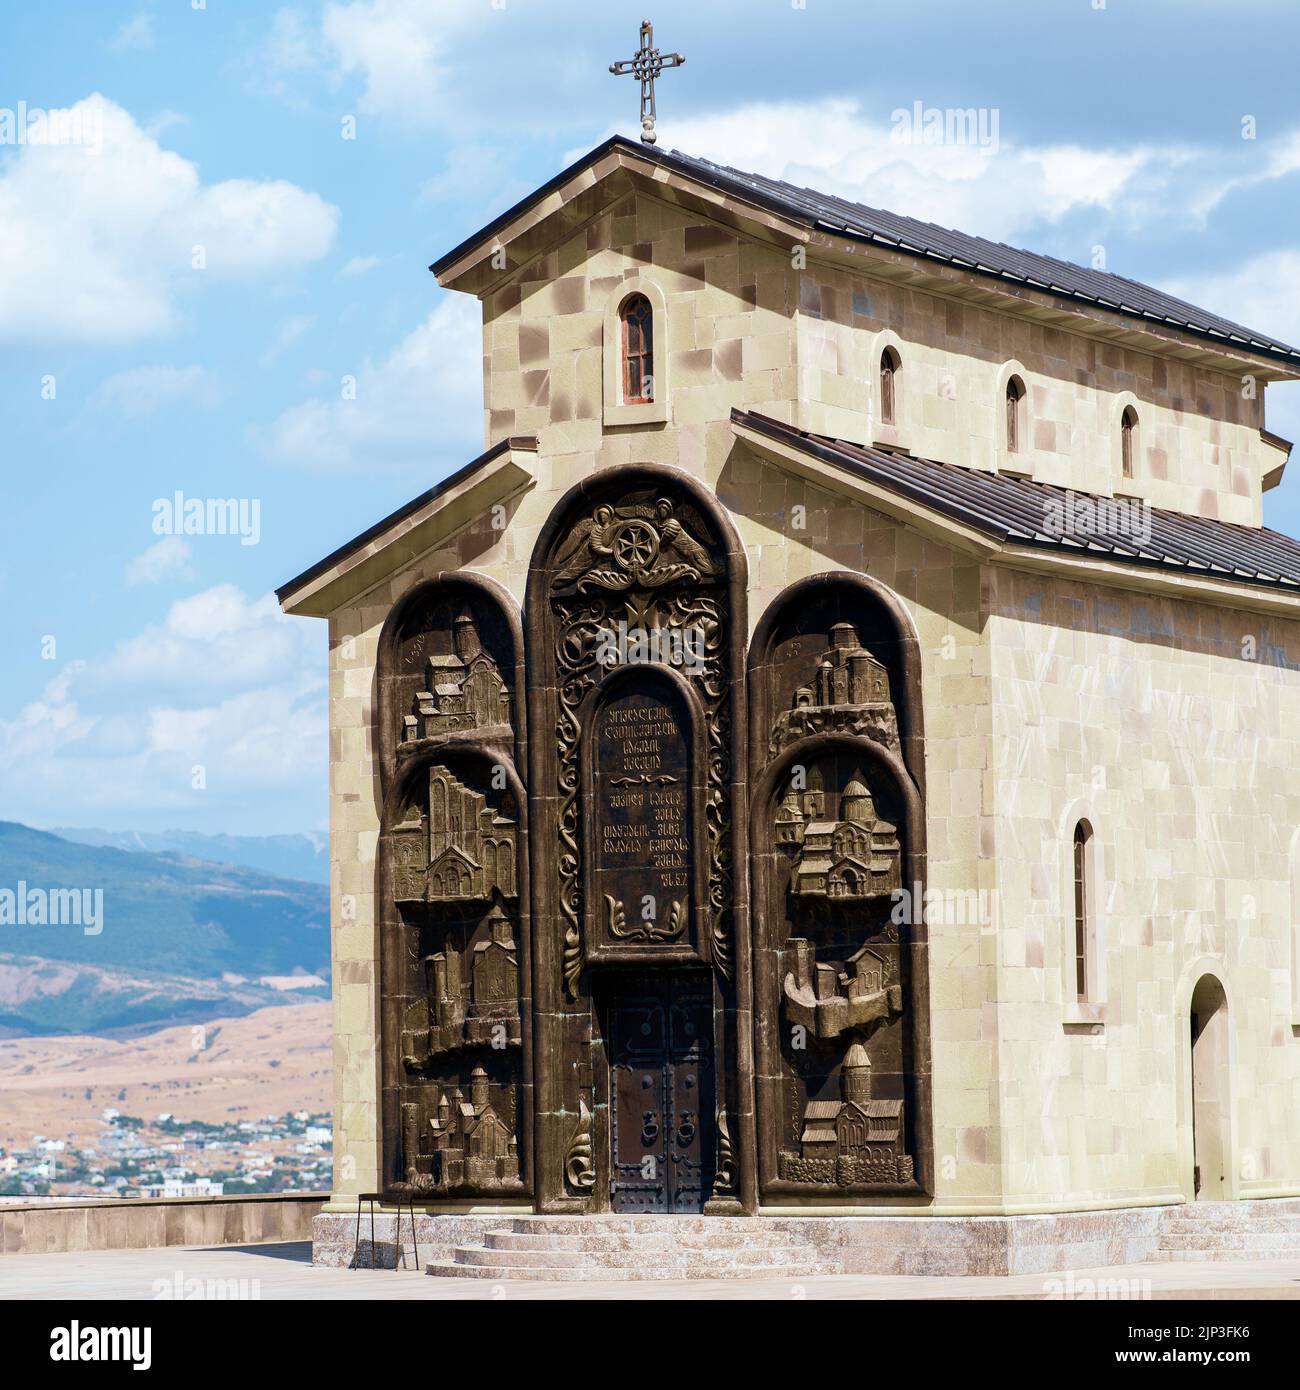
[
  {"x": 1288, "y": 1256},
  {"x": 1264, "y": 1225},
  {"x": 615, "y": 1273},
  {"x": 778, "y": 1258},
  {"x": 1229, "y": 1240},
  {"x": 680, "y": 1226},
  {"x": 639, "y": 1242},
  {"x": 563, "y": 1259}
]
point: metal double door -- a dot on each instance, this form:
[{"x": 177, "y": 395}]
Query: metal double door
[{"x": 662, "y": 1092}]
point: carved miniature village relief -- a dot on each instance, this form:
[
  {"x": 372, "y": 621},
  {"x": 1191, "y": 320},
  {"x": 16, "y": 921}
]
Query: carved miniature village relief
[
  {"x": 453, "y": 851},
  {"x": 840, "y": 1100}
]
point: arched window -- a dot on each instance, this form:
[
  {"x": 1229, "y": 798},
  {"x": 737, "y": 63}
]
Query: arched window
[
  {"x": 889, "y": 367},
  {"x": 1082, "y": 905},
  {"x": 1127, "y": 440},
  {"x": 1015, "y": 410},
  {"x": 638, "y": 350}
]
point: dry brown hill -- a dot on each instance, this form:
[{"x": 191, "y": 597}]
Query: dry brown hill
[{"x": 266, "y": 1063}]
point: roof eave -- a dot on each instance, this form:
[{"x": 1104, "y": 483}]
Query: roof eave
[
  {"x": 853, "y": 477},
  {"x": 427, "y": 521}
]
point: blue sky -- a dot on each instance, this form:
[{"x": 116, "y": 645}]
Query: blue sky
[{"x": 133, "y": 366}]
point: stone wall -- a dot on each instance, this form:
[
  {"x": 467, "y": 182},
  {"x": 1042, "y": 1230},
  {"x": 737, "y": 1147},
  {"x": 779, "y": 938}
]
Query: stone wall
[
  {"x": 747, "y": 329},
  {"x": 137, "y": 1223},
  {"x": 1172, "y": 728}
]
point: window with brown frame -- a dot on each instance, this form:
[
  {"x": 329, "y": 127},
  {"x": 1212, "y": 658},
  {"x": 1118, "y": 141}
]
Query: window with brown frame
[
  {"x": 1082, "y": 907},
  {"x": 1015, "y": 409},
  {"x": 1127, "y": 440},
  {"x": 889, "y": 363},
  {"x": 638, "y": 350}
]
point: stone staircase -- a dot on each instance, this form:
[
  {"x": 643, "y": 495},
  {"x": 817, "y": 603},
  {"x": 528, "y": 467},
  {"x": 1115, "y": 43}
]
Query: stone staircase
[
  {"x": 1229, "y": 1231},
  {"x": 640, "y": 1247}
]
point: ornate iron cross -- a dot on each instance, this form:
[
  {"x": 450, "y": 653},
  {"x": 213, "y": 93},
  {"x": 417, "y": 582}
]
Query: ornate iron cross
[{"x": 647, "y": 65}]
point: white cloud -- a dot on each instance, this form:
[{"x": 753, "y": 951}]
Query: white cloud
[
  {"x": 425, "y": 396},
  {"x": 359, "y": 265},
  {"x": 218, "y": 639},
  {"x": 286, "y": 335},
  {"x": 99, "y": 242},
  {"x": 141, "y": 391},
  {"x": 994, "y": 189},
  {"x": 1263, "y": 293},
  {"x": 292, "y": 44},
  {"x": 1001, "y": 189},
  {"x": 136, "y": 34},
  {"x": 167, "y": 558},
  {"x": 399, "y": 50},
  {"x": 232, "y": 686},
  {"x": 397, "y": 47}
]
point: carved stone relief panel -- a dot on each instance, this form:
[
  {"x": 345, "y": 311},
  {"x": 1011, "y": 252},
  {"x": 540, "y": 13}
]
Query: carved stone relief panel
[
  {"x": 450, "y": 672},
  {"x": 636, "y": 622},
  {"x": 841, "y": 993},
  {"x": 842, "y": 988},
  {"x": 454, "y": 866},
  {"x": 642, "y": 821},
  {"x": 847, "y": 689},
  {"x": 452, "y": 883},
  {"x": 638, "y": 580}
]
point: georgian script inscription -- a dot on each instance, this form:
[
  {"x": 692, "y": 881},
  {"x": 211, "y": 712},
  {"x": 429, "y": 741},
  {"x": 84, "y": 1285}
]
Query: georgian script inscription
[{"x": 642, "y": 820}]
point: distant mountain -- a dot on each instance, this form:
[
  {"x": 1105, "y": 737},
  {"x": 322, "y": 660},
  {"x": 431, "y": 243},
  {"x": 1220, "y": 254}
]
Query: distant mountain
[
  {"x": 303, "y": 857},
  {"x": 182, "y": 939}
]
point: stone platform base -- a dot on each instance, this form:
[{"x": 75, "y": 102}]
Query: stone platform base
[{"x": 520, "y": 1245}]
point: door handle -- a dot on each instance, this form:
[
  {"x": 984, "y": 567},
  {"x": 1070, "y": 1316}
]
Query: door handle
[
  {"x": 649, "y": 1127},
  {"x": 686, "y": 1128}
]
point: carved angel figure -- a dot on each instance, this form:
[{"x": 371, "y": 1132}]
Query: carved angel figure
[
  {"x": 634, "y": 545},
  {"x": 674, "y": 536},
  {"x": 589, "y": 543}
]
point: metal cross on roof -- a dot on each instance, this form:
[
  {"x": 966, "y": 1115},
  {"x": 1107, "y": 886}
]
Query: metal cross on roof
[{"x": 647, "y": 65}]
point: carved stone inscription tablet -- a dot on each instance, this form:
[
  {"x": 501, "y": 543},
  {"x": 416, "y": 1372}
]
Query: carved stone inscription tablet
[{"x": 641, "y": 819}]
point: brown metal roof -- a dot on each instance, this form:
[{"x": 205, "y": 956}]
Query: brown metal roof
[{"x": 1022, "y": 511}]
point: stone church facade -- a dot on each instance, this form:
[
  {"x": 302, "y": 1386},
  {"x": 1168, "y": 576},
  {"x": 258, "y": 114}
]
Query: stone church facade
[{"x": 944, "y": 862}]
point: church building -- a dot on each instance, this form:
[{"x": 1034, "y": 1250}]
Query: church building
[{"x": 940, "y": 895}]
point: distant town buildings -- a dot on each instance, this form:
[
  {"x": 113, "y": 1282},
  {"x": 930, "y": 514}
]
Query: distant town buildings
[{"x": 165, "y": 1157}]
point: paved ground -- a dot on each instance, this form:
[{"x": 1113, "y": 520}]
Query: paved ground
[{"x": 285, "y": 1271}]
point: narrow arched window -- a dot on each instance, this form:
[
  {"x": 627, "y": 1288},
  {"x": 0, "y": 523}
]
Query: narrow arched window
[
  {"x": 638, "y": 350},
  {"x": 1015, "y": 409},
  {"x": 1082, "y": 906},
  {"x": 889, "y": 364},
  {"x": 1127, "y": 440}
]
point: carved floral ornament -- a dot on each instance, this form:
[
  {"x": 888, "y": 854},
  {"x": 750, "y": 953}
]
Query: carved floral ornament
[{"x": 642, "y": 562}]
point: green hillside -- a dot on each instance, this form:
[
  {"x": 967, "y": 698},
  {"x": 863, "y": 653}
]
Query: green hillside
[{"x": 165, "y": 917}]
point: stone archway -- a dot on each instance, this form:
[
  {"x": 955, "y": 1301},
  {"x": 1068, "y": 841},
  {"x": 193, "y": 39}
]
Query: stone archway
[{"x": 637, "y": 739}]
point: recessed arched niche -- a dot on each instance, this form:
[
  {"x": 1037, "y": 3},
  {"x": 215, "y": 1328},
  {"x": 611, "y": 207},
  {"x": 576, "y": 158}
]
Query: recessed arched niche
[
  {"x": 837, "y": 854},
  {"x": 837, "y": 652},
  {"x": 453, "y": 869},
  {"x": 450, "y": 666},
  {"x": 645, "y": 835},
  {"x": 452, "y": 884},
  {"x": 635, "y": 652}
]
